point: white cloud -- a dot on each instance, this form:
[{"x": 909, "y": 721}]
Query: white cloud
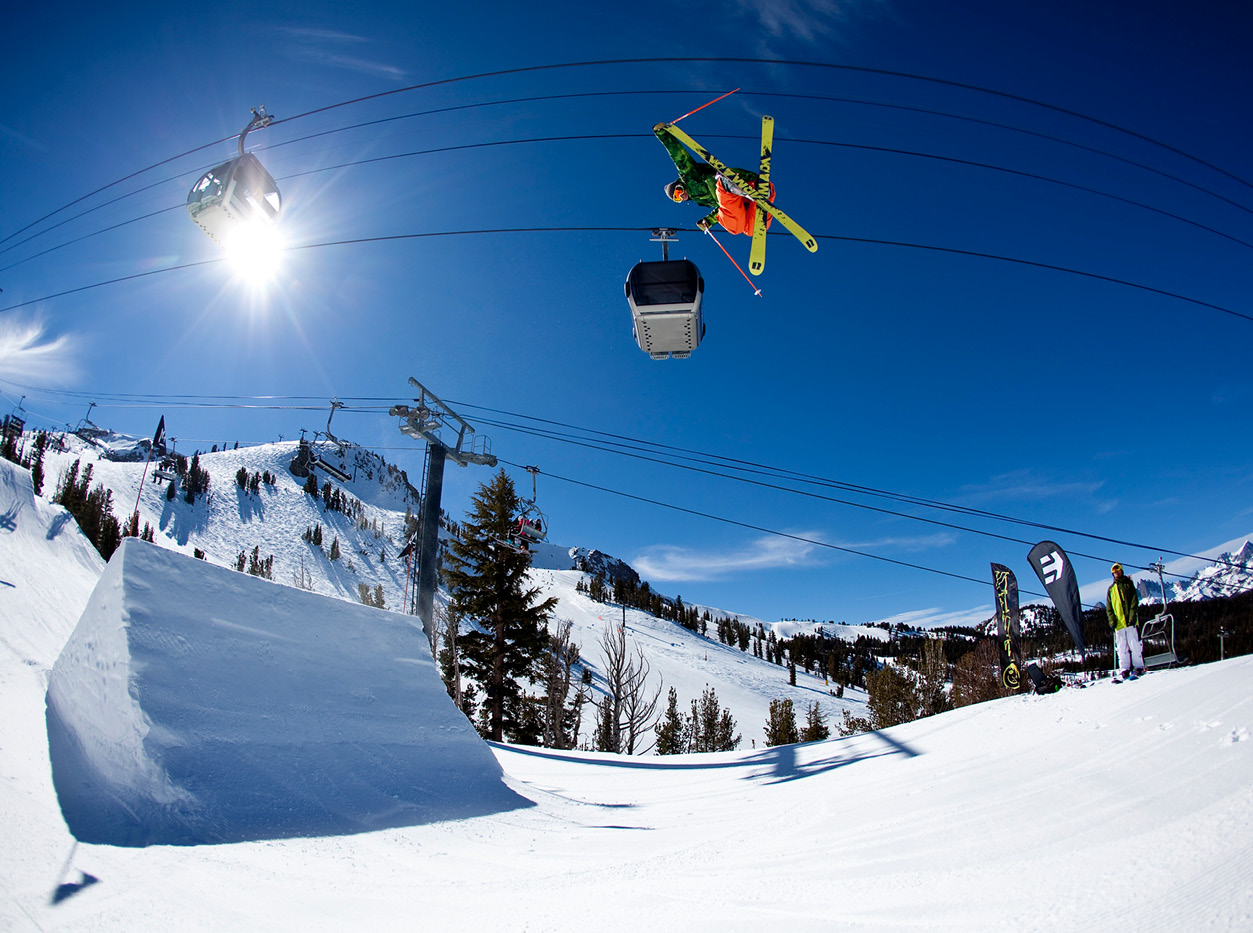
[
  {"x": 935, "y": 618},
  {"x": 811, "y": 21},
  {"x": 11, "y": 134},
  {"x": 673, "y": 564},
  {"x": 1026, "y": 484},
  {"x": 26, "y": 354},
  {"x": 328, "y": 47},
  {"x": 915, "y": 543}
]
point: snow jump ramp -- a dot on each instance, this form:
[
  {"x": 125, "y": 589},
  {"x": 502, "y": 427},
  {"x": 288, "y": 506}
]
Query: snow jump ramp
[{"x": 193, "y": 704}]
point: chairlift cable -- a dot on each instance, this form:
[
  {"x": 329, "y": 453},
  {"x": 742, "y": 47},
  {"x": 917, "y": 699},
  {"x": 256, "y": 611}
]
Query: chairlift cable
[
  {"x": 790, "y": 63},
  {"x": 659, "y": 60},
  {"x": 765, "y": 530},
  {"x": 573, "y": 229},
  {"x": 865, "y": 490},
  {"x": 892, "y": 512},
  {"x": 783, "y": 472},
  {"x": 569, "y": 138}
]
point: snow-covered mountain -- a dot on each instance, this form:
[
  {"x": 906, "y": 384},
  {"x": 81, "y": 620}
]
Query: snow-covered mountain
[
  {"x": 1230, "y": 573},
  {"x": 274, "y": 519}
]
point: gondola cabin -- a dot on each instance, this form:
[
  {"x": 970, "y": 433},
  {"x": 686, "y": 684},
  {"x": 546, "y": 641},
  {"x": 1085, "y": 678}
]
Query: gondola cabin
[
  {"x": 665, "y": 299},
  {"x": 234, "y": 196}
]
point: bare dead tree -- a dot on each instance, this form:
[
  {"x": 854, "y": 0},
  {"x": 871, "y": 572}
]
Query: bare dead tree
[
  {"x": 561, "y": 721},
  {"x": 628, "y": 711}
]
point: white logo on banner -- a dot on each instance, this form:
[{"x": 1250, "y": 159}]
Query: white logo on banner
[{"x": 1051, "y": 566}]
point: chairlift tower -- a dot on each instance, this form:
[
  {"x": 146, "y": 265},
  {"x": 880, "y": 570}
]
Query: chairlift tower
[{"x": 424, "y": 423}]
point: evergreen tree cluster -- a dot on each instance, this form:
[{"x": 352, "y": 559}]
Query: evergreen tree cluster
[
  {"x": 781, "y": 726},
  {"x": 91, "y": 507},
  {"x": 251, "y": 482},
  {"x": 371, "y": 597},
  {"x": 899, "y": 693},
  {"x": 708, "y": 727},
  {"x": 255, "y": 564},
  {"x": 11, "y": 438},
  {"x": 195, "y": 480},
  {"x": 15, "y": 448}
]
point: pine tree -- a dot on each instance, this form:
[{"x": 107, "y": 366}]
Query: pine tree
[
  {"x": 781, "y": 724},
  {"x": 815, "y": 725},
  {"x": 37, "y": 464},
  {"x": 335, "y": 554},
  {"x": 672, "y": 731},
  {"x": 712, "y": 728},
  {"x": 488, "y": 585},
  {"x": 892, "y": 699}
]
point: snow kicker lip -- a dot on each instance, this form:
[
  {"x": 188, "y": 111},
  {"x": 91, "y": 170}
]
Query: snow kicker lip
[{"x": 193, "y": 705}]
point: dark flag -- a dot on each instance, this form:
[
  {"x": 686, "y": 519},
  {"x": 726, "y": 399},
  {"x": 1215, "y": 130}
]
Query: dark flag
[
  {"x": 1053, "y": 567},
  {"x": 158, "y": 439},
  {"x": 1007, "y": 626}
]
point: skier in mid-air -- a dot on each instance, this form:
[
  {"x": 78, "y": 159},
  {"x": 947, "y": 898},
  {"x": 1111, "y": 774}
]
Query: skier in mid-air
[{"x": 698, "y": 182}]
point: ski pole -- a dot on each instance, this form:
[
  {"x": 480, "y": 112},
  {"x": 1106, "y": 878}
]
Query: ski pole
[
  {"x": 756, "y": 290},
  {"x": 703, "y": 106}
]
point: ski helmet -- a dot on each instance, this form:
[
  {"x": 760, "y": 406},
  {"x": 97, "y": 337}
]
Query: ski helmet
[{"x": 673, "y": 189}]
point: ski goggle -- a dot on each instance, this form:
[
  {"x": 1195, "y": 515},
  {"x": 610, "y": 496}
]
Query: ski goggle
[{"x": 678, "y": 194}]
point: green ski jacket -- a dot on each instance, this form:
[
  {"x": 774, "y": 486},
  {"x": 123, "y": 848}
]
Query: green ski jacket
[
  {"x": 1121, "y": 602},
  {"x": 698, "y": 177}
]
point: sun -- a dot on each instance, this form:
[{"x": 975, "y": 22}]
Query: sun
[{"x": 254, "y": 252}]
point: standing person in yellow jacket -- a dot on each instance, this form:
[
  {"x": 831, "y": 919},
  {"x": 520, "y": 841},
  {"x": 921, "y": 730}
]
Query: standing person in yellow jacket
[{"x": 1120, "y": 607}]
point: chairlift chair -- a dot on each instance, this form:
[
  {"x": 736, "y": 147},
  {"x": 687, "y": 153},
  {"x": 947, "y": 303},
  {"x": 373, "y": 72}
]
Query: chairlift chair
[
  {"x": 236, "y": 194},
  {"x": 532, "y": 523},
  {"x": 1158, "y": 633},
  {"x": 165, "y": 469}
]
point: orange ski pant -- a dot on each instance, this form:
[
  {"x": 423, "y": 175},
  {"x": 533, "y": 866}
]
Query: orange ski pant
[{"x": 737, "y": 213}]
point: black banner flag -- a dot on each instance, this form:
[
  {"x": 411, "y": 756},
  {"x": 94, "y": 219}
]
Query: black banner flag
[
  {"x": 1007, "y": 626},
  {"x": 1053, "y": 567},
  {"x": 158, "y": 439}
]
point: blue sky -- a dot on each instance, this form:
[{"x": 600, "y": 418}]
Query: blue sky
[{"x": 901, "y": 357}]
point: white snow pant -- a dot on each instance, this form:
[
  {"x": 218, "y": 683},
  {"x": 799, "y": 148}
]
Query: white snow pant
[{"x": 1130, "y": 652}]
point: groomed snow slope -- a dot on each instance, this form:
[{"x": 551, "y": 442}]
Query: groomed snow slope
[{"x": 1116, "y": 807}]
